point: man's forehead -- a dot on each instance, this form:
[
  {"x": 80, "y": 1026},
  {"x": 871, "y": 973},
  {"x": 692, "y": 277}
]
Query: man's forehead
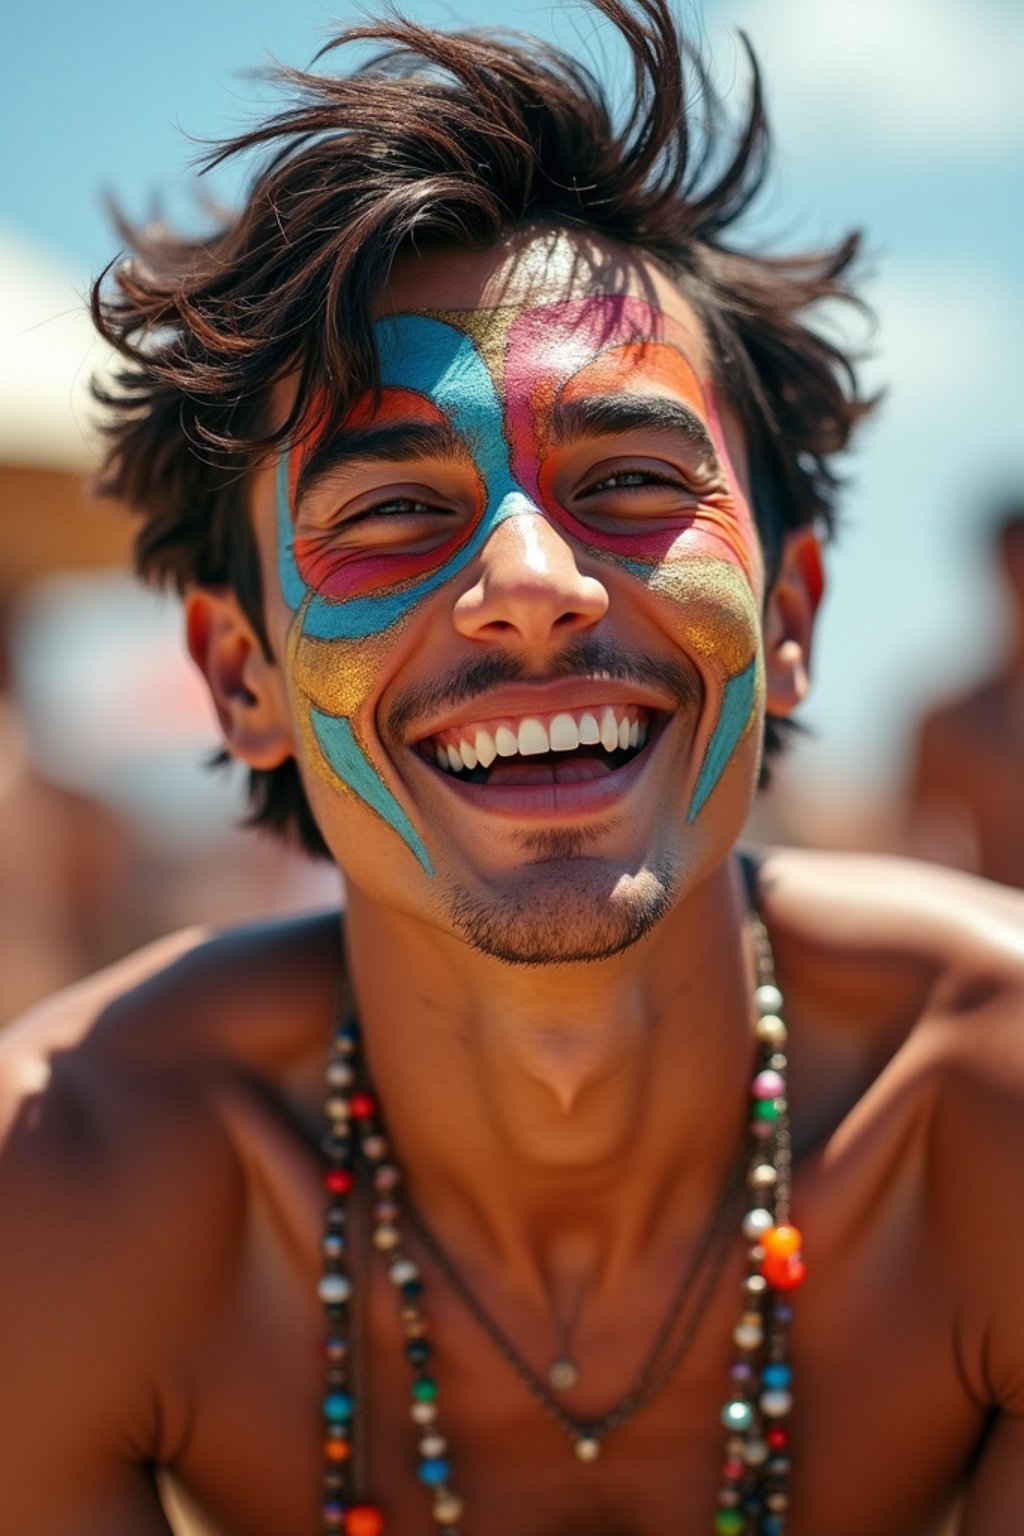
[
  {"x": 530, "y": 282},
  {"x": 559, "y": 295}
]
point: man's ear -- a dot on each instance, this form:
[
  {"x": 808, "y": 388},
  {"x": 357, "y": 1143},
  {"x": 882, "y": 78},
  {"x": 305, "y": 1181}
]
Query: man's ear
[
  {"x": 246, "y": 687},
  {"x": 789, "y": 621}
]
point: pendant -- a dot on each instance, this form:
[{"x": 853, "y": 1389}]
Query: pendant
[{"x": 563, "y": 1374}]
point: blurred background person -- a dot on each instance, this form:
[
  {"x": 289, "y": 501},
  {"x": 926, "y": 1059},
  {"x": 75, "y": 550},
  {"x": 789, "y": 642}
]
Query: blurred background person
[{"x": 966, "y": 802}]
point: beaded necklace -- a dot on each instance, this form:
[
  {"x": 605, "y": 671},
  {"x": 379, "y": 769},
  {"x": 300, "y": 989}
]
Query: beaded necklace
[{"x": 753, "y": 1499}]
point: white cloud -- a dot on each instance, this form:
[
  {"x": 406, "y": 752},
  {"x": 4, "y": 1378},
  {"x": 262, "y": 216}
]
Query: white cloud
[{"x": 941, "y": 76}]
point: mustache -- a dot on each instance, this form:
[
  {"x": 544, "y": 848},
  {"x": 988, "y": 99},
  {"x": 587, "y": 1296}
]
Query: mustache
[{"x": 583, "y": 658}]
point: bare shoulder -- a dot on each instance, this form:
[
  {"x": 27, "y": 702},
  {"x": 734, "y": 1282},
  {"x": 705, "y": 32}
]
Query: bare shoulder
[
  {"x": 924, "y": 969},
  {"x": 119, "y": 1173},
  {"x": 920, "y": 924}
]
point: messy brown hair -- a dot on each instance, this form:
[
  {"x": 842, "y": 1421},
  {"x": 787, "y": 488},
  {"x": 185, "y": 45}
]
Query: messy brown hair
[{"x": 458, "y": 138}]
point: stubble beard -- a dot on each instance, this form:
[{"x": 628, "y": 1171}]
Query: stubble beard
[{"x": 565, "y": 910}]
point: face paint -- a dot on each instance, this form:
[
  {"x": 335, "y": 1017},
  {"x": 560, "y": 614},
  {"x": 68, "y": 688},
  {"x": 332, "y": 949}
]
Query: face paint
[{"x": 499, "y": 383}]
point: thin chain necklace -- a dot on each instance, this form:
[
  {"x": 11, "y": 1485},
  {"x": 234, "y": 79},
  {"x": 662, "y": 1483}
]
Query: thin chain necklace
[
  {"x": 753, "y": 1498},
  {"x": 587, "y": 1435}
]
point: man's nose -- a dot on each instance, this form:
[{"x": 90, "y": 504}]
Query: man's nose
[{"x": 529, "y": 590}]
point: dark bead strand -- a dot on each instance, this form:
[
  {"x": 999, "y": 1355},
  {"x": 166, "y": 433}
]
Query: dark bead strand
[{"x": 335, "y": 1288}]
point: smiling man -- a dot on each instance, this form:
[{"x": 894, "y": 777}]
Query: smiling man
[{"x": 587, "y": 1177}]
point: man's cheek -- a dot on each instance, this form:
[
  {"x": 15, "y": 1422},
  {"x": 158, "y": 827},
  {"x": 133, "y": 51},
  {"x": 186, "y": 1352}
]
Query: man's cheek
[
  {"x": 331, "y": 681},
  {"x": 711, "y": 611},
  {"x": 337, "y": 676},
  {"x": 710, "y": 605}
]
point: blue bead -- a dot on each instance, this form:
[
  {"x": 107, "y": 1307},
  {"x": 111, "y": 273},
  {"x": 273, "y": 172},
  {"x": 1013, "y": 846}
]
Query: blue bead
[
  {"x": 339, "y": 1407},
  {"x": 434, "y": 1470},
  {"x": 411, "y": 1289},
  {"x": 776, "y": 1374},
  {"x": 773, "y": 1525},
  {"x": 418, "y": 1351}
]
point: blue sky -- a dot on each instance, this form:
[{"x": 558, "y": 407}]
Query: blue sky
[{"x": 904, "y": 118}]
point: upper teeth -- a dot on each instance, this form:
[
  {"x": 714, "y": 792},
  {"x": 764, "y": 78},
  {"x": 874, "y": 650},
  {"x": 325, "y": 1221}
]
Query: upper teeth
[{"x": 612, "y": 726}]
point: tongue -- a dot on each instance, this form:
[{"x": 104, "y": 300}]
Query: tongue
[{"x": 521, "y": 771}]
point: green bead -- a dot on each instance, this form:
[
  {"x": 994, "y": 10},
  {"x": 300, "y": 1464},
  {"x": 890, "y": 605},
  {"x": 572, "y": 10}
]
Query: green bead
[
  {"x": 425, "y": 1389},
  {"x": 766, "y": 1109},
  {"x": 730, "y": 1522}
]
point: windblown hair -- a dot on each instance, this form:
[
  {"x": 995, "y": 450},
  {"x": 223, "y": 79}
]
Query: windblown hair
[{"x": 454, "y": 138}]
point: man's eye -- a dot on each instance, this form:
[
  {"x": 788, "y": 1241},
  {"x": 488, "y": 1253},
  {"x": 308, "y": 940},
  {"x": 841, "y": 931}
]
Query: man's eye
[
  {"x": 628, "y": 480},
  {"x": 400, "y": 506}
]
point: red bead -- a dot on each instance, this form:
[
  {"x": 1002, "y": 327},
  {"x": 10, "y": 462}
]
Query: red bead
[
  {"x": 364, "y": 1520},
  {"x": 784, "y": 1273},
  {"x": 339, "y": 1181},
  {"x": 777, "y": 1437},
  {"x": 733, "y": 1471},
  {"x": 362, "y": 1106}
]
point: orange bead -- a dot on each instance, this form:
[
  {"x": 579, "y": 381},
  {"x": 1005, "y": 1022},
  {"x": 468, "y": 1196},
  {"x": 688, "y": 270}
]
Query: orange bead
[
  {"x": 364, "y": 1520},
  {"x": 337, "y": 1450},
  {"x": 782, "y": 1241}
]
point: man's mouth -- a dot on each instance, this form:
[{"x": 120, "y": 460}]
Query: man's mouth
[{"x": 566, "y": 747}]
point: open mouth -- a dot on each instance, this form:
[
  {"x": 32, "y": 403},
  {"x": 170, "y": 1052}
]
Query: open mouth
[{"x": 570, "y": 747}]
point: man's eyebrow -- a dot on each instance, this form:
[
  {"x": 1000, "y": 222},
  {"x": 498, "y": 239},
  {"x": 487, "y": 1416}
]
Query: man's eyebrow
[
  {"x": 613, "y": 415},
  {"x": 386, "y": 442}
]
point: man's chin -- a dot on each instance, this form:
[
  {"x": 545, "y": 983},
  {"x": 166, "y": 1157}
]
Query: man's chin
[{"x": 563, "y": 912}]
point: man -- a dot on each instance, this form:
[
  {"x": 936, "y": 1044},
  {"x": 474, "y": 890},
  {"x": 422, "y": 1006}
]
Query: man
[
  {"x": 489, "y": 470},
  {"x": 969, "y": 756}
]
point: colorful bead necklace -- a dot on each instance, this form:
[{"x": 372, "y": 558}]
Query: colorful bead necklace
[{"x": 754, "y": 1496}]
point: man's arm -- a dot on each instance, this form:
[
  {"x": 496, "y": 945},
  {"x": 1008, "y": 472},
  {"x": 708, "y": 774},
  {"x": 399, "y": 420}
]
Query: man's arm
[
  {"x": 977, "y": 1154},
  {"x": 112, "y": 1182},
  {"x": 66, "y": 1462}
]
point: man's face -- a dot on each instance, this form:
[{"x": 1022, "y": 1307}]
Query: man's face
[{"x": 518, "y": 600}]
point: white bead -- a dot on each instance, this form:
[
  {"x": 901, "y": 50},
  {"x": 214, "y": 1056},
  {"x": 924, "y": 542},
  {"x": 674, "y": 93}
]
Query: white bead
[
  {"x": 433, "y": 1445},
  {"x": 768, "y": 998},
  {"x": 340, "y": 1074},
  {"x": 748, "y": 1335},
  {"x": 756, "y": 1223},
  {"x": 587, "y": 1448},
  {"x": 337, "y": 1107},
  {"x": 423, "y": 1413},
  {"x": 776, "y": 1403},
  {"x": 754, "y": 1452},
  {"x": 386, "y": 1237},
  {"x": 375, "y": 1147},
  {"x": 402, "y": 1271},
  {"x": 771, "y": 1030},
  {"x": 448, "y": 1509},
  {"x": 762, "y": 1177},
  {"x": 334, "y": 1289}
]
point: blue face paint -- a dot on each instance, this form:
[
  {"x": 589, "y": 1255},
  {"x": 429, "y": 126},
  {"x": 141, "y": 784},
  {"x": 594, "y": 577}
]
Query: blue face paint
[{"x": 733, "y": 718}]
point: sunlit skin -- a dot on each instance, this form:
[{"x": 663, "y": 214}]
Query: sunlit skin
[{"x": 564, "y": 1126}]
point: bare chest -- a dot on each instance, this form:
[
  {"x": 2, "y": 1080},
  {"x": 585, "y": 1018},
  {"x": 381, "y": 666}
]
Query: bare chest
[{"x": 881, "y": 1426}]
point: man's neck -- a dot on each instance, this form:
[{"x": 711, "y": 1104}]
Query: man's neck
[{"x": 562, "y": 1117}]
